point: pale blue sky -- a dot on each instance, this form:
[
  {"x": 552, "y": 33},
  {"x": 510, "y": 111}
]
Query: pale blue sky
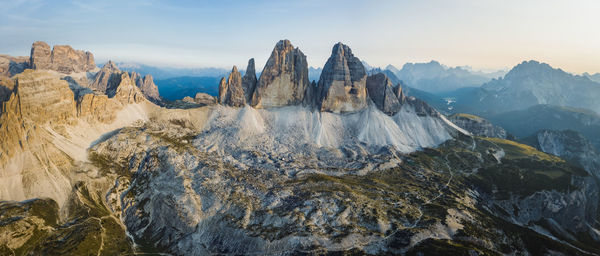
[{"x": 482, "y": 34}]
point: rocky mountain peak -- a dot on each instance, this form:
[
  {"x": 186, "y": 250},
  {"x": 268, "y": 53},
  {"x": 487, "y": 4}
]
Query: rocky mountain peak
[
  {"x": 61, "y": 58},
  {"x": 284, "y": 45},
  {"x": 284, "y": 79},
  {"x": 110, "y": 65},
  {"x": 231, "y": 92},
  {"x": 381, "y": 92},
  {"x": 249, "y": 80},
  {"x": 147, "y": 86},
  {"x": 108, "y": 78},
  {"x": 529, "y": 67},
  {"x": 342, "y": 86}
]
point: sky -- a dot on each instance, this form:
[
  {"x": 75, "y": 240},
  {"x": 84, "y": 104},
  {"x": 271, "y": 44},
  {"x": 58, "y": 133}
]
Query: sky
[{"x": 483, "y": 34}]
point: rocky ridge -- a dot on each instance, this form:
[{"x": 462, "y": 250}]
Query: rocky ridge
[
  {"x": 61, "y": 58},
  {"x": 570, "y": 145},
  {"x": 275, "y": 180},
  {"x": 10, "y": 66},
  {"x": 201, "y": 98},
  {"x": 478, "y": 126}
]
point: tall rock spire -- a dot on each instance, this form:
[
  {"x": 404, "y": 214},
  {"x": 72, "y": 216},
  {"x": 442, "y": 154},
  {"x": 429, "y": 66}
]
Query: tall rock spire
[
  {"x": 230, "y": 91},
  {"x": 342, "y": 86},
  {"x": 249, "y": 80},
  {"x": 284, "y": 79}
]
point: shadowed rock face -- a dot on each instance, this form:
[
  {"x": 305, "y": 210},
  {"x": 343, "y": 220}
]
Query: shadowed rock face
[
  {"x": 10, "y": 66},
  {"x": 381, "y": 92},
  {"x": 342, "y": 86},
  {"x": 249, "y": 80},
  {"x": 231, "y": 92},
  {"x": 107, "y": 78},
  {"x": 284, "y": 79},
  {"x": 110, "y": 77},
  {"x": 61, "y": 58}
]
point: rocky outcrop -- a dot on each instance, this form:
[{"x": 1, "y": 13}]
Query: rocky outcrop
[
  {"x": 147, "y": 86},
  {"x": 201, "y": 98},
  {"x": 126, "y": 92},
  {"x": 108, "y": 78},
  {"x": 382, "y": 93},
  {"x": 61, "y": 58},
  {"x": 342, "y": 86},
  {"x": 421, "y": 107},
  {"x": 41, "y": 97},
  {"x": 94, "y": 107},
  {"x": 10, "y": 66},
  {"x": 284, "y": 79},
  {"x": 249, "y": 80},
  {"x": 112, "y": 81},
  {"x": 231, "y": 92},
  {"x": 478, "y": 126}
]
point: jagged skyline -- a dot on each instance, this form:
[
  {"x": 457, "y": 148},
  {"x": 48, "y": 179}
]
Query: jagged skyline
[{"x": 190, "y": 34}]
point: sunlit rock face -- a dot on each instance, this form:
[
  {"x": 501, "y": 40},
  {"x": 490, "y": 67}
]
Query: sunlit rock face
[
  {"x": 61, "y": 58},
  {"x": 231, "y": 92},
  {"x": 284, "y": 79},
  {"x": 342, "y": 86},
  {"x": 147, "y": 86}
]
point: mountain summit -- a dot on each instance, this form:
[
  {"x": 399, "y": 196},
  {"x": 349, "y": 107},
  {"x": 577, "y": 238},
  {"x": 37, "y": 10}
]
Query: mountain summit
[{"x": 531, "y": 82}]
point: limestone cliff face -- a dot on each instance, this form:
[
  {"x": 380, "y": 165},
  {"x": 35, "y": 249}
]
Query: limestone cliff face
[
  {"x": 231, "y": 92},
  {"x": 61, "y": 58},
  {"x": 29, "y": 166},
  {"x": 249, "y": 80},
  {"x": 381, "y": 92},
  {"x": 284, "y": 79},
  {"x": 342, "y": 86},
  {"x": 41, "y": 97}
]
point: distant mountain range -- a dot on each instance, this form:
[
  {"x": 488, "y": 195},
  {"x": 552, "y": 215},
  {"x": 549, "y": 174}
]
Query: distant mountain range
[
  {"x": 594, "y": 77},
  {"x": 436, "y": 78},
  {"x": 170, "y": 72},
  {"x": 532, "y": 83}
]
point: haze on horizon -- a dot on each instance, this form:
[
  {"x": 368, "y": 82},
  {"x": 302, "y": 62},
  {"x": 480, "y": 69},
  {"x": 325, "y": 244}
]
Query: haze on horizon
[{"x": 483, "y": 34}]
